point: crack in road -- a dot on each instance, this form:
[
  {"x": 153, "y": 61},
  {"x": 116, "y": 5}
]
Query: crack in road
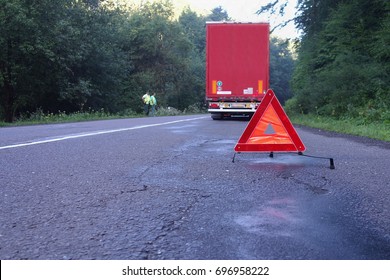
[
  {"x": 154, "y": 248},
  {"x": 312, "y": 183}
]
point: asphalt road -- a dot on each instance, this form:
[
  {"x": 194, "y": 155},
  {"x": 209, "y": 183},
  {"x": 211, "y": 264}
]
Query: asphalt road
[{"x": 166, "y": 188}]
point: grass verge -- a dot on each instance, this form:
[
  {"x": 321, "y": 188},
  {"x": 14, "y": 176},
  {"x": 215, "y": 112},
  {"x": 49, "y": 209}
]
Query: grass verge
[
  {"x": 374, "y": 130},
  {"x": 39, "y": 117}
]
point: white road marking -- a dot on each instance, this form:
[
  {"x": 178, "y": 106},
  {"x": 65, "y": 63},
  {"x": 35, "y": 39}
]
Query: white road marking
[{"x": 94, "y": 133}]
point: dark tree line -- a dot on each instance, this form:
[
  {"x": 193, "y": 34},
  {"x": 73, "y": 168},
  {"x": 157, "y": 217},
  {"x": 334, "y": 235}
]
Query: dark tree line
[
  {"x": 343, "y": 59},
  {"x": 78, "y": 55}
]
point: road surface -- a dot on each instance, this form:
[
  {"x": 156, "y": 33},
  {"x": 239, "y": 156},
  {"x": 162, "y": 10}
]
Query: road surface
[{"x": 166, "y": 188}]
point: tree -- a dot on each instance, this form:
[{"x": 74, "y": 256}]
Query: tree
[
  {"x": 194, "y": 28},
  {"x": 342, "y": 68},
  {"x": 26, "y": 52},
  {"x": 58, "y": 55},
  {"x": 337, "y": 73},
  {"x": 281, "y": 68},
  {"x": 73, "y": 55},
  {"x": 93, "y": 64},
  {"x": 218, "y": 14},
  {"x": 159, "y": 51}
]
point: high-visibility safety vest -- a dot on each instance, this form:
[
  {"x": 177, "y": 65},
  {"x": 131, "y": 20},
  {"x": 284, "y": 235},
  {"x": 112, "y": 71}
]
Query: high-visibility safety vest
[
  {"x": 153, "y": 100},
  {"x": 146, "y": 98}
]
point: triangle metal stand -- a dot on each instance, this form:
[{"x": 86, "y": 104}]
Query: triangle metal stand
[{"x": 271, "y": 155}]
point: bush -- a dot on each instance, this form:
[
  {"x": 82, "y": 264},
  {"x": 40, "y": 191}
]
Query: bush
[
  {"x": 168, "y": 111},
  {"x": 292, "y": 106},
  {"x": 127, "y": 113},
  {"x": 196, "y": 108}
]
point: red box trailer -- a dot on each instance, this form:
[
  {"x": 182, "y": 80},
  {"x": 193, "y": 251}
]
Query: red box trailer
[{"x": 237, "y": 67}]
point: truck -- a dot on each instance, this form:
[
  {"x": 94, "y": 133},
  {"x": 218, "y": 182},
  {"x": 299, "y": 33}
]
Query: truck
[{"x": 237, "y": 67}]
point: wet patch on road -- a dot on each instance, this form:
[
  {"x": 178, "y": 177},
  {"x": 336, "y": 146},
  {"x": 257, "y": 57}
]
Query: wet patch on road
[
  {"x": 182, "y": 128},
  {"x": 278, "y": 161},
  {"x": 277, "y": 217},
  {"x": 218, "y": 146}
]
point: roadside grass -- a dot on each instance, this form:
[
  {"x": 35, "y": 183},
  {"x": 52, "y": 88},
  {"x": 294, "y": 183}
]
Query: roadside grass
[
  {"x": 374, "y": 130},
  {"x": 39, "y": 117}
]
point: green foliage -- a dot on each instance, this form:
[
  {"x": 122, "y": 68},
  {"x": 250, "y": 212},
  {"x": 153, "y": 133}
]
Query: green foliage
[
  {"x": 281, "y": 68},
  {"x": 352, "y": 126},
  {"x": 57, "y": 55},
  {"x": 218, "y": 14},
  {"x": 83, "y": 55},
  {"x": 168, "y": 111},
  {"x": 160, "y": 53},
  {"x": 343, "y": 65},
  {"x": 40, "y": 117},
  {"x": 194, "y": 27},
  {"x": 197, "y": 108}
]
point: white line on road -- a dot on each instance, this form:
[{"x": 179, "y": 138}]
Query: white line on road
[{"x": 66, "y": 137}]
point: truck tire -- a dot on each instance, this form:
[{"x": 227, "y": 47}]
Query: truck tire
[{"x": 217, "y": 116}]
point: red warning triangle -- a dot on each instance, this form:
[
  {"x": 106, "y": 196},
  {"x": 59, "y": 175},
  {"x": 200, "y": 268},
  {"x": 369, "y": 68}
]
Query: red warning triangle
[{"x": 270, "y": 130}]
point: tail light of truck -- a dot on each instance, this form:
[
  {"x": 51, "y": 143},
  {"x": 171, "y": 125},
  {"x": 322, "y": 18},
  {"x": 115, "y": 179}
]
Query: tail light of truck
[{"x": 213, "y": 105}]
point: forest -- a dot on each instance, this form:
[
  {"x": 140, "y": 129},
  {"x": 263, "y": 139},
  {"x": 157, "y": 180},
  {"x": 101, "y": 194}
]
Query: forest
[
  {"x": 64, "y": 56},
  {"x": 67, "y": 56},
  {"x": 343, "y": 61}
]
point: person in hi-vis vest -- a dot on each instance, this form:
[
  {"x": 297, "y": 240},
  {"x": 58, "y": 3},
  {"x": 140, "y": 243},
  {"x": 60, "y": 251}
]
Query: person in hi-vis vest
[
  {"x": 146, "y": 100},
  {"x": 153, "y": 104}
]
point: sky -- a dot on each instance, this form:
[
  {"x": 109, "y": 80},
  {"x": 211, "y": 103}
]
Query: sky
[
  {"x": 245, "y": 10},
  {"x": 242, "y": 10}
]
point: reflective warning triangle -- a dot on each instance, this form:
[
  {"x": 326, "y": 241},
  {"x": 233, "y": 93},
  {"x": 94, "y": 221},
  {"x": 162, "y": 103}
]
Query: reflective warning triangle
[{"x": 270, "y": 130}]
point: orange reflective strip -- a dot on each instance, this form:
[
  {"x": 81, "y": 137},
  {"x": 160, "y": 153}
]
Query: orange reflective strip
[
  {"x": 260, "y": 86},
  {"x": 214, "y": 89}
]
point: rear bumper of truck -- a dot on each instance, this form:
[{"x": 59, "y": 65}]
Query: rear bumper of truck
[
  {"x": 231, "y": 111},
  {"x": 232, "y": 107}
]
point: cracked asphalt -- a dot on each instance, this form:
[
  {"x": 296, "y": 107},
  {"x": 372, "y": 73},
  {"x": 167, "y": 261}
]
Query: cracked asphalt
[{"x": 171, "y": 191}]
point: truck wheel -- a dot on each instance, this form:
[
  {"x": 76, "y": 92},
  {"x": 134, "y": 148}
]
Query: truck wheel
[{"x": 217, "y": 116}]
